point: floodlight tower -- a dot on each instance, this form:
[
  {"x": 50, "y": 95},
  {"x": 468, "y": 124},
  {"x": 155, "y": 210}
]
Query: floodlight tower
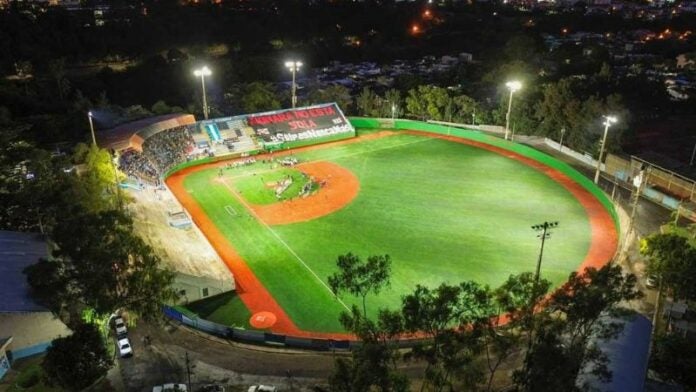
[
  {"x": 202, "y": 73},
  {"x": 608, "y": 121},
  {"x": 91, "y": 127},
  {"x": 513, "y": 86},
  {"x": 544, "y": 229},
  {"x": 293, "y": 66}
]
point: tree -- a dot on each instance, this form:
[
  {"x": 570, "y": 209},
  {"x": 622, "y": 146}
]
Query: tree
[
  {"x": 561, "y": 344},
  {"x": 76, "y": 361},
  {"x": 373, "y": 363},
  {"x": 368, "y": 103},
  {"x": 453, "y": 318},
  {"x": 160, "y": 107},
  {"x": 361, "y": 278},
  {"x": 56, "y": 69},
  {"x": 335, "y": 93},
  {"x": 673, "y": 259},
  {"x": 392, "y": 98},
  {"x": 674, "y": 358},
  {"x": 100, "y": 264},
  {"x": 427, "y": 102},
  {"x": 259, "y": 97},
  {"x": 97, "y": 187}
]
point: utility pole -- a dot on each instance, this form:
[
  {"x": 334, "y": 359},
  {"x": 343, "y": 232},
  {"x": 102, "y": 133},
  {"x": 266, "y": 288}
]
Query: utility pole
[
  {"x": 639, "y": 182},
  {"x": 188, "y": 371},
  {"x": 544, "y": 229}
]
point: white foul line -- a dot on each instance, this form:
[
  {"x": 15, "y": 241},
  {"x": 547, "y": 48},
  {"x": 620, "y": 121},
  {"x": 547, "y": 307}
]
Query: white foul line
[{"x": 241, "y": 200}]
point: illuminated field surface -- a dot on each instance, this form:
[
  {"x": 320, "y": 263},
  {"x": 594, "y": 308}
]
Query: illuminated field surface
[{"x": 444, "y": 211}]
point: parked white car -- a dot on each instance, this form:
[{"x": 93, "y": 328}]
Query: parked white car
[
  {"x": 120, "y": 326},
  {"x": 262, "y": 388},
  {"x": 124, "y": 348},
  {"x": 171, "y": 387}
]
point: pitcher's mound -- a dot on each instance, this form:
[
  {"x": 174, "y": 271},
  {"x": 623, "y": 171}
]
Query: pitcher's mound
[{"x": 262, "y": 320}]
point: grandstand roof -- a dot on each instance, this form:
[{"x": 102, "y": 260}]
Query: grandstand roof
[
  {"x": 132, "y": 134},
  {"x": 18, "y": 251}
]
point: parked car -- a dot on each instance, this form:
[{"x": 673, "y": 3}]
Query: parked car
[
  {"x": 651, "y": 281},
  {"x": 120, "y": 327},
  {"x": 124, "y": 348},
  {"x": 262, "y": 388},
  {"x": 171, "y": 387}
]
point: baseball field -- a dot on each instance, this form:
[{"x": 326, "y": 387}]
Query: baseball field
[{"x": 445, "y": 210}]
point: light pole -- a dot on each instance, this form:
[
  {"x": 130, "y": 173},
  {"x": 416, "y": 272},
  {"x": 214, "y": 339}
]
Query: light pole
[
  {"x": 608, "y": 120},
  {"x": 202, "y": 73},
  {"x": 91, "y": 127},
  {"x": 393, "y": 111},
  {"x": 561, "y": 143},
  {"x": 513, "y": 86},
  {"x": 544, "y": 229},
  {"x": 293, "y": 66}
]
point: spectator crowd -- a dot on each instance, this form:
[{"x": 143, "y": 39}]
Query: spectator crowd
[{"x": 160, "y": 152}]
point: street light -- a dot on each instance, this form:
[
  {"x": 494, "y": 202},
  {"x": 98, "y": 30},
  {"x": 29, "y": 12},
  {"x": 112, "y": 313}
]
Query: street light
[
  {"x": 513, "y": 86},
  {"x": 561, "y": 143},
  {"x": 202, "y": 73},
  {"x": 393, "y": 111},
  {"x": 544, "y": 229},
  {"x": 91, "y": 127},
  {"x": 608, "y": 120},
  {"x": 293, "y": 66}
]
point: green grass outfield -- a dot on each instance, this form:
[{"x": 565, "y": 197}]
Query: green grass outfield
[{"x": 444, "y": 211}]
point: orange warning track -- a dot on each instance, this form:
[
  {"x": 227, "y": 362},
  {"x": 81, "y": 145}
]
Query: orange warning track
[
  {"x": 258, "y": 299},
  {"x": 340, "y": 189}
]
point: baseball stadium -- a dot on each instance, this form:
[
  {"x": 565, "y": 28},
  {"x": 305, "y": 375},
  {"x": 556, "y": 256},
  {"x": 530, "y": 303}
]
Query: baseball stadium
[{"x": 274, "y": 198}]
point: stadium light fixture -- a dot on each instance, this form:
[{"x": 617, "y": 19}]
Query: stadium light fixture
[
  {"x": 91, "y": 127},
  {"x": 543, "y": 228},
  {"x": 293, "y": 66},
  {"x": 513, "y": 86},
  {"x": 202, "y": 73},
  {"x": 608, "y": 121}
]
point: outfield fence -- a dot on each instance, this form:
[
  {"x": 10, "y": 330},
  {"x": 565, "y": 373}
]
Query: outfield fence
[{"x": 188, "y": 318}]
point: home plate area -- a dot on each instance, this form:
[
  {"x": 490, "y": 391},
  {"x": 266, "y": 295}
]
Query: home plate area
[{"x": 262, "y": 320}]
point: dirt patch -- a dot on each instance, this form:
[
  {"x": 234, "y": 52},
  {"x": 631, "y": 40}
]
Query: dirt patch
[
  {"x": 262, "y": 320},
  {"x": 340, "y": 187}
]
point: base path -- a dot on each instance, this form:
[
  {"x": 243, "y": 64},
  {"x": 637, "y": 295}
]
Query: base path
[{"x": 340, "y": 188}]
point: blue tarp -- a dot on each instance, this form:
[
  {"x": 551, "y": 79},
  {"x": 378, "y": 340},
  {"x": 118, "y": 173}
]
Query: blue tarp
[
  {"x": 628, "y": 357},
  {"x": 18, "y": 251}
]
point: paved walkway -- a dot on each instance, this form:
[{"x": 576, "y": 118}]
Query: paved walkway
[{"x": 221, "y": 361}]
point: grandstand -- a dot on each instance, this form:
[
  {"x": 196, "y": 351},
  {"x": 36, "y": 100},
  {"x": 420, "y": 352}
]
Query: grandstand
[{"x": 147, "y": 148}]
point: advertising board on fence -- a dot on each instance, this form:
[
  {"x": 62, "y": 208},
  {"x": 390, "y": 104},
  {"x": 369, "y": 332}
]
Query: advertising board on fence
[{"x": 286, "y": 128}]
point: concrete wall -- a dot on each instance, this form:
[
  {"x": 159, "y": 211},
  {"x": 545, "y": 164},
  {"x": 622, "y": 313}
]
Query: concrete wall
[
  {"x": 196, "y": 287},
  {"x": 32, "y": 333}
]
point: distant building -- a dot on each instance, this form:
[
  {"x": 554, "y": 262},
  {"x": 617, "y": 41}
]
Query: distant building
[{"x": 26, "y": 328}]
